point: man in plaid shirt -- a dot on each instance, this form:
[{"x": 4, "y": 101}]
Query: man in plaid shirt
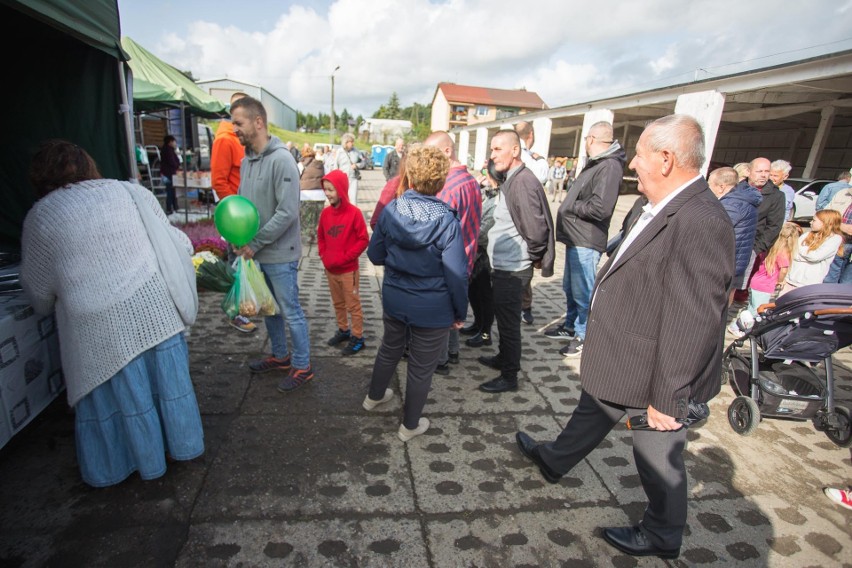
[{"x": 461, "y": 192}]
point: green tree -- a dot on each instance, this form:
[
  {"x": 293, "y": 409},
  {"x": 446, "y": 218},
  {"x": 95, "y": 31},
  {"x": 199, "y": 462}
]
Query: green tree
[
  {"x": 344, "y": 118},
  {"x": 393, "y": 109}
]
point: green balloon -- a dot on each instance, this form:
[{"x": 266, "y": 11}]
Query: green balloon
[{"x": 236, "y": 220}]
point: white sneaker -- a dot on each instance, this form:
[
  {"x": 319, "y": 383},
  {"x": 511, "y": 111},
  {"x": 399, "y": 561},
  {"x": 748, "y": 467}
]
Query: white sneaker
[
  {"x": 405, "y": 434},
  {"x": 842, "y": 497},
  {"x": 734, "y": 330},
  {"x": 370, "y": 404}
]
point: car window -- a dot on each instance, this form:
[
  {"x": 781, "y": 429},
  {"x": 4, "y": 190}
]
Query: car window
[{"x": 817, "y": 186}]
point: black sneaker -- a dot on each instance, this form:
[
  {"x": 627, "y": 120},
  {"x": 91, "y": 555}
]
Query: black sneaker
[
  {"x": 453, "y": 358},
  {"x": 339, "y": 337},
  {"x": 270, "y": 364},
  {"x": 479, "y": 340},
  {"x": 355, "y": 345},
  {"x": 573, "y": 349},
  {"x": 492, "y": 362},
  {"x": 559, "y": 332},
  {"x": 443, "y": 369},
  {"x": 471, "y": 329},
  {"x": 527, "y": 317}
]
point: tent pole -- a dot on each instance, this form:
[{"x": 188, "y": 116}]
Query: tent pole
[
  {"x": 124, "y": 109},
  {"x": 184, "y": 164}
]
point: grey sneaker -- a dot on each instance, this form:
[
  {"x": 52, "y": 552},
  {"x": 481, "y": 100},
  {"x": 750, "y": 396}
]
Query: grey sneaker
[
  {"x": 573, "y": 349},
  {"x": 527, "y": 317}
]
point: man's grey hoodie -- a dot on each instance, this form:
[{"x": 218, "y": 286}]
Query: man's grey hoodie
[{"x": 270, "y": 180}]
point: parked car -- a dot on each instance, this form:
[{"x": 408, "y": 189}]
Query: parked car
[
  {"x": 807, "y": 191},
  {"x": 365, "y": 162}
]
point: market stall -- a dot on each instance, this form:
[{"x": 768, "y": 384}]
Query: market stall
[
  {"x": 68, "y": 67},
  {"x": 158, "y": 86}
]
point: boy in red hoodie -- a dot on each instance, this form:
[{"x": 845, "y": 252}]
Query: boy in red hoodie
[{"x": 341, "y": 238}]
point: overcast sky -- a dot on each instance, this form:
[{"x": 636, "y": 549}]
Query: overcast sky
[{"x": 564, "y": 50}]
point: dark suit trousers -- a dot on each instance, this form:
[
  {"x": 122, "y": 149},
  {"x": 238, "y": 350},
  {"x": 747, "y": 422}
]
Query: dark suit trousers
[
  {"x": 658, "y": 456},
  {"x": 507, "y": 289}
]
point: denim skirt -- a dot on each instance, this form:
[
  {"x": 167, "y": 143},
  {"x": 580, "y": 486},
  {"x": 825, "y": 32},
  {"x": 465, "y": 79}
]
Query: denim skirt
[{"x": 145, "y": 411}]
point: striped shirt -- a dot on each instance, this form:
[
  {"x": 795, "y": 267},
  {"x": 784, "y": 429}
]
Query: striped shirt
[{"x": 461, "y": 193}]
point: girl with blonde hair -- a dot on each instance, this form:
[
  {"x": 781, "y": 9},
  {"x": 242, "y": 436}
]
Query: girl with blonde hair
[
  {"x": 816, "y": 251},
  {"x": 770, "y": 276}
]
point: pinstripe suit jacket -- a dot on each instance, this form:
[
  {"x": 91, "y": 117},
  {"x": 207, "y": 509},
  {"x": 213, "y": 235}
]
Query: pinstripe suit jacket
[{"x": 656, "y": 328}]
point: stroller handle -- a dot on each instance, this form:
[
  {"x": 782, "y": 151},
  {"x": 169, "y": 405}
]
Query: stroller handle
[
  {"x": 833, "y": 312},
  {"x": 824, "y": 312}
]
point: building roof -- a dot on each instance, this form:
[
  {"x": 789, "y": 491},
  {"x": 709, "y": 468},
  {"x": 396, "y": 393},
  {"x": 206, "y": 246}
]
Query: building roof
[
  {"x": 206, "y": 82},
  {"x": 518, "y": 98}
]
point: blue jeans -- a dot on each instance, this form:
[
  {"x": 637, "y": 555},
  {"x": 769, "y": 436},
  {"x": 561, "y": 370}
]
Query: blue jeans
[
  {"x": 283, "y": 281},
  {"x": 840, "y": 272},
  {"x": 581, "y": 265}
]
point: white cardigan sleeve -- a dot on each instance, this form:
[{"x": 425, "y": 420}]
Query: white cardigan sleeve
[{"x": 827, "y": 249}]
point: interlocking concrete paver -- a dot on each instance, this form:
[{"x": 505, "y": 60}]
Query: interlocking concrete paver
[{"x": 311, "y": 479}]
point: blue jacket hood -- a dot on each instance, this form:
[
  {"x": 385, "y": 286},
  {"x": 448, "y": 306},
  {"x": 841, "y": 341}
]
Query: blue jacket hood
[
  {"x": 418, "y": 240},
  {"x": 417, "y": 220},
  {"x": 746, "y": 193}
]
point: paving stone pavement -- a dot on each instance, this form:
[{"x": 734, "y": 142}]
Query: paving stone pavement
[{"x": 310, "y": 479}]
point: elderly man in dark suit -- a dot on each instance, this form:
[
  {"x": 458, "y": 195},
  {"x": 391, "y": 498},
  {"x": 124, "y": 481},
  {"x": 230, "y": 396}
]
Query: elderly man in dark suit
[{"x": 654, "y": 338}]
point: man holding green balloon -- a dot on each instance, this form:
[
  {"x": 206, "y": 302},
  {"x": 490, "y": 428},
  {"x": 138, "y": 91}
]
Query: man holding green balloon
[{"x": 262, "y": 222}]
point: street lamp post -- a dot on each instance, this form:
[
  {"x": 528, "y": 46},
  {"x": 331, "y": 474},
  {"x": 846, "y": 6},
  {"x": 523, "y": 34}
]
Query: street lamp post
[{"x": 332, "y": 103}]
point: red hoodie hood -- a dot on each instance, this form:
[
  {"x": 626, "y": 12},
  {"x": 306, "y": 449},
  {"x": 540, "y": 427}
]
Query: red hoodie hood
[{"x": 340, "y": 181}]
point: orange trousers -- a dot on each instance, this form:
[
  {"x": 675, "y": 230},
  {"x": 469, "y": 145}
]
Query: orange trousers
[{"x": 347, "y": 301}]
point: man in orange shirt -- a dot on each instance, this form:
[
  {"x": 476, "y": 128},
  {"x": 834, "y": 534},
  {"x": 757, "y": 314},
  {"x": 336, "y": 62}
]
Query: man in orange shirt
[
  {"x": 226, "y": 157},
  {"x": 225, "y": 177}
]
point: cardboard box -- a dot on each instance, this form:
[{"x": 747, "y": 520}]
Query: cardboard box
[{"x": 30, "y": 371}]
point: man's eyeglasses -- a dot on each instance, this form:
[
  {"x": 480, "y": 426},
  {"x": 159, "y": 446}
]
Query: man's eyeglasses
[{"x": 601, "y": 141}]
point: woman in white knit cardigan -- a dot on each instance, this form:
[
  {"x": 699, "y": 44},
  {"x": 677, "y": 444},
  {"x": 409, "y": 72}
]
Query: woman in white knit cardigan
[{"x": 86, "y": 255}]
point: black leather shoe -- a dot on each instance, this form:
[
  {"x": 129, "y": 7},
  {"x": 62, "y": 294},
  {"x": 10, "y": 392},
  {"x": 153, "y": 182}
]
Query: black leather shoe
[
  {"x": 442, "y": 369},
  {"x": 633, "y": 541},
  {"x": 500, "y": 384},
  {"x": 492, "y": 362},
  {"x": 471, "y": 329},
  {"x": 479, "y": 340},
  {"x": 529, "y": 448}
]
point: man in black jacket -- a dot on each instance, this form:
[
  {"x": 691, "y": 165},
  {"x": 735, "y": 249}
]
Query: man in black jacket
[
  {"x": 770, "y": 219},
  {"x": 583, "y": 224},
  {"x": 390, "y": 167},
  {"x": 520, "y": 238}
]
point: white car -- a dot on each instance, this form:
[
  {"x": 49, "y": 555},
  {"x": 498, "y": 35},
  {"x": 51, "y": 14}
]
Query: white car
[{"x": 807, "y": 191}]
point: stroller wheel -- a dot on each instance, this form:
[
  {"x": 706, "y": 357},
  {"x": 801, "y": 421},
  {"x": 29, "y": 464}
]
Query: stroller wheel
[
  {"x": 744, "y": 415},
  {"x": 838, "y": 428}
]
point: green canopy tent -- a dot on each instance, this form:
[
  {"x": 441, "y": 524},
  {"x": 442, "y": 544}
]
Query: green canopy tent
[
  {"x": 65, "y": 79},
  {"x": 158, "y": 85}
]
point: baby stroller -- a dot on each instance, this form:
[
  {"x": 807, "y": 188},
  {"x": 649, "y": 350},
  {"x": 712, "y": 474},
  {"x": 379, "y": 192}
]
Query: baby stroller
[{"x": 776, "y": 376}]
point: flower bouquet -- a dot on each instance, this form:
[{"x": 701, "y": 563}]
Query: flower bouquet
[{"x": 211, "y": 273}]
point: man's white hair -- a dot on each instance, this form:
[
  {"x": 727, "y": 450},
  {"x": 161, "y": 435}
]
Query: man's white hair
[
  {"x": 680, "y": 134},
  {"x": 780, "y": 165}
]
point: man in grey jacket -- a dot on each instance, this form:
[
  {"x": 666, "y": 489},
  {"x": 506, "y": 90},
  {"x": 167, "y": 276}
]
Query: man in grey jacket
[
  {"x": 269, "y": 178},
  {"x": 520, "y": 239},
  {"x": 582, "y": 224}
]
